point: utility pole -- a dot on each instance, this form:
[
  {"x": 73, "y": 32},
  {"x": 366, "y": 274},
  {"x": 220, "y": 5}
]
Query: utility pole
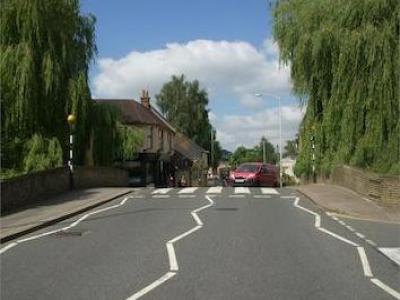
[
  {"x": 212, "y": 148},
  {"x": 264, "y": 150}
]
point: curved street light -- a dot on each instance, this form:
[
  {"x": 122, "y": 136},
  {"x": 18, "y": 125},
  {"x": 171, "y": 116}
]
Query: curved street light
[{"x": 259, "y": 95}]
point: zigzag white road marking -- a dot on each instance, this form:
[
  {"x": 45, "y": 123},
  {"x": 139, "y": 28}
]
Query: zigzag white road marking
[
  {"x": 173, "y": 262},
  {"x": 361, "y": 251}
]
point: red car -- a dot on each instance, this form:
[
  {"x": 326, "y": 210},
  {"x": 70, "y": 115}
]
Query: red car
[{"x": 255, "y": 174}]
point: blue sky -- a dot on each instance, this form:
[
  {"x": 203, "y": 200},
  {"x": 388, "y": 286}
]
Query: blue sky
[{"x": 227, "y": 45}]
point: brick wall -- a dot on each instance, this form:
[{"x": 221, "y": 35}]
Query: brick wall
[
  {"x": 380, "y": 188},
  {"x": 32, "y": 188}
]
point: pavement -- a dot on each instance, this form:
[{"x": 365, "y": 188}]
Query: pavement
[
  {"x": 202, "y": 243},
  {"x": 53, "y": 210},
  {"x": 346, "y": 202}
]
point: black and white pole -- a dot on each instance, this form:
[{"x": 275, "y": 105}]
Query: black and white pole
[
  {"x": 71, "y": 121},
  {"x": 313, "y": 158}
]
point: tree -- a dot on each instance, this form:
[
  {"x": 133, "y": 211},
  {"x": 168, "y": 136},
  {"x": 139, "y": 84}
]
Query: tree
[
  {"x": 46, "y": 48},
  {"x": 290, "y": 149},
  {"x": 184, "y": 104},
  {"x": 344, "y": 58},
  {"x": 255, "y": 154}
]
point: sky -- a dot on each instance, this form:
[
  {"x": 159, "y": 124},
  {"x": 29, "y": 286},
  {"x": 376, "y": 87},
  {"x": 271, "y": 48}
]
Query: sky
[{"x": 227, "y": 45}]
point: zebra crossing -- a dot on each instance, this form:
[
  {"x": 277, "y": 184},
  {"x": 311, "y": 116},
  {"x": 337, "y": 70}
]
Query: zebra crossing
[{"x": 215, "y": 190}]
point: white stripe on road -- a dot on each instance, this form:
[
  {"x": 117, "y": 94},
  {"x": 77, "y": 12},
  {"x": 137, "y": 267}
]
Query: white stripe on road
[
  {"x": 262, "y": 196},
  {"x": 186, "y": 196},
  {"x": 364, "y": 262},
  {"x": 34, "y": 237},
  {"x": 361, "y": 236},
  {"x": 162, "y": 191},
  {"x": 236, "y": 196},
  {"x": 160, "y": 196},
  {"x": 173, "y": 262},
  {"x": 214, "y": 190},
  {"x": 338, "y": 237},
  {"x": 386, "y": 288},
  {"x": 152, "y": 286},
  {"x": 242, "y": 190},
  {"x": 392, "y": 253},
  {"x": 188, "y": 190},
  {"x": 269, "y": 191}
]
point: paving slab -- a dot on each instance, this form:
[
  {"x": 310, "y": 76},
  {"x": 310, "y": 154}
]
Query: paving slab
[
  {"x": 55, "y": 209},
  {"x": 346, "y": 202}
]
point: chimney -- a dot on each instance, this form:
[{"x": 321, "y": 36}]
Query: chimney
[{"x": 145, "y": 99}]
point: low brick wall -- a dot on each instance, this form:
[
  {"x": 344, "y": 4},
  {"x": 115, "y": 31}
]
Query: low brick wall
[
  {"x": 29, "y": 189},
  {"x": 380, "y": 188}
]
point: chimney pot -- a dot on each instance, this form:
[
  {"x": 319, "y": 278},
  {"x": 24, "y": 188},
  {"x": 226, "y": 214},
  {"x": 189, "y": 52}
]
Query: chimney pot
[{"x": 145, "y": 99}]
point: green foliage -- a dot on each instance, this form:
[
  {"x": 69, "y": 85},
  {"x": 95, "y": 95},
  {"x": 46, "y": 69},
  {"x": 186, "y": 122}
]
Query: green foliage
[
  {"x": 45, "y": 51},
  {"x": 111, "y": 140},
  {"x": 255, "y": 154},
  {"x": 344, "y": 58},
  {"x": 184, "y": 104},
  {"x": 290, "y": 149},
  {"x": 42, "y": 154}
]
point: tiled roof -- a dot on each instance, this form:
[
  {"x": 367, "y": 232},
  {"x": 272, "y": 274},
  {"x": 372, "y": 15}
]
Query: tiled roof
[
  {"x": 188, "y": 148},
  {"x": 136, "y": 114}
]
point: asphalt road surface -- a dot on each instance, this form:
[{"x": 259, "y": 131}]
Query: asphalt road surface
[{"x": 223, "y": 243}]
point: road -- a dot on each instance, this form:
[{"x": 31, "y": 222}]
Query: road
[{"x": 225, "y": 244}]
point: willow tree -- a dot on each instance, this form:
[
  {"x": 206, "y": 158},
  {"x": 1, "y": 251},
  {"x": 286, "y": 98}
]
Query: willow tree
[
  {"x": 345, "y": 61},
  {"x": 45, "y": 51}
]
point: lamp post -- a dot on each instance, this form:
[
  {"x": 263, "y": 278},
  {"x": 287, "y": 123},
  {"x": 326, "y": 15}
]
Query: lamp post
[
  {"x": 280, "y": 132},
  {"x": 71, "y": 119}
]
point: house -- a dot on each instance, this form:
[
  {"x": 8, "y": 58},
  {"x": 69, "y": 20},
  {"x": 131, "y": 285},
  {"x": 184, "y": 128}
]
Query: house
[
  {"x": 154, "y": 160},
  {"x": 191, "y": 161}
]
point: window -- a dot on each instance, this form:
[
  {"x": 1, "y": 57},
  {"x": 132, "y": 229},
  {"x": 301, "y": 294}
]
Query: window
[{"x": 150, "y": 138}]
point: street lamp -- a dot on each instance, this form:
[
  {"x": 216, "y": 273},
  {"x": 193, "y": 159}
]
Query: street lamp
[
  {"x": 259, "y": 95},
  {"x": 71, "y": 119}
]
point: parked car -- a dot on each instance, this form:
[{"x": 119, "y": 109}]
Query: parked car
[{"x": 254, "y": 174}]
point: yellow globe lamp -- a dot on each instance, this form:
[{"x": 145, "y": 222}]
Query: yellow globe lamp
[{"x": 71, "y": 119}]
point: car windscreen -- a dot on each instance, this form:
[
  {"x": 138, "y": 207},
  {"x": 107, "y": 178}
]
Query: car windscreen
[{"x": 248, "y": 168}]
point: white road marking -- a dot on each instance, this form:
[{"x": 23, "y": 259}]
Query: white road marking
[
  {"x": 338, "y": 237},
  {"x": 242, "y": 190},
  {"x": 152, "y": 286},
  {"x": 317, "y": 223},
  {"x": 364, "y": 262},
  {"x": 34, "y": 237},
  {"x": 9, "y": 246},
  {"x": 137, "y": 196},
  {"x": 361, "y": 236},
  {"x": 393, "y": 253},
  {"x": 262, "y": 196},
  {"x": 173, "y": 262},
  {"x": 162, "y": 191},
  {"x": 342, "y": 223},
  {"x": 287, "y": 197},
  {"x": 350, "y": 228},
  {"x": 186, "y": 196},
  {"x": 236, "y": 196},
  {"x": 269, "y": 191},
  {"x": 188, "y": 190},
  {"x": 386, "y": 288},
  {"x": 372, "y": 243},
  {"x": 214, "y": 190},
  {"x": 160, "y": 196}
]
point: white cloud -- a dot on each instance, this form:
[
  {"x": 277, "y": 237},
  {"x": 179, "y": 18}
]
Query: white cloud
[
  {"x": 234, "y": 68},
  {"x": 235, "y": 130}
]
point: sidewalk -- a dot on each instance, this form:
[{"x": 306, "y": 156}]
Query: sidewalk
[
  {"x": 55, "y": 210},
  {"x": 343, "y": 201}
]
